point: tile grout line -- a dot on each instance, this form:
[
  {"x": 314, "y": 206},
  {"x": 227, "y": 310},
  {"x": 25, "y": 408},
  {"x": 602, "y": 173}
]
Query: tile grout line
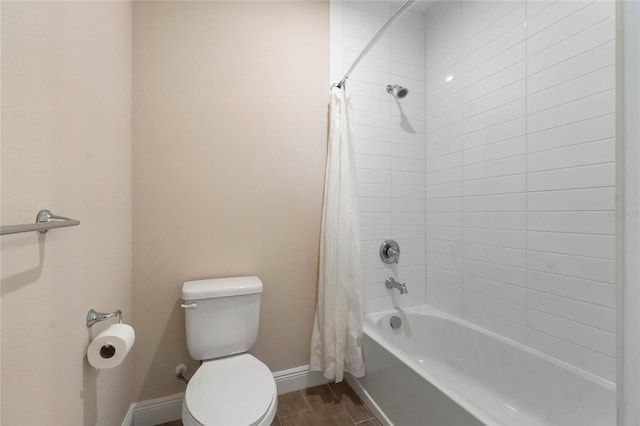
[
  {"x": 526, "y": 177},
  {"x": 291, "y": 415},
  {"x": 339, "y": 401},
  {"x": 335, "y": 395},
  {"x": 306, "y": 402},
  {"x": 460, "y": 261},
  {"x": 347, "y": 411},
  {"x": 297, "y": 412}
]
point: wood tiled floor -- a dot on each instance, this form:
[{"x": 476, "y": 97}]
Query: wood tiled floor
[
  {"x": 332, "y": 404},
  {"x": 335, "y": 404}
]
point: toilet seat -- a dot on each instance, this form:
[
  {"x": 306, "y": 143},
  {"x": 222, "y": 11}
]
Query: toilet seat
[{"x": 237, "y": 390}]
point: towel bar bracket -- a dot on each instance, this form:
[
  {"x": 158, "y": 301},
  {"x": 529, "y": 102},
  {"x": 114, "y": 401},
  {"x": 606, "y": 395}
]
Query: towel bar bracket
[{"x": 45, "y": 216}]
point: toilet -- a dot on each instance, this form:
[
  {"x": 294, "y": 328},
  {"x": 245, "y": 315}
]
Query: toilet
[{"x": 231, "y": 387}]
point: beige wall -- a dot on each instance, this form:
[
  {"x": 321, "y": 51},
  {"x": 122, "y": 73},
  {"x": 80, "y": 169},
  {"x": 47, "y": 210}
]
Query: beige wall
[
  {"x": 228, "y": 162},
  {"x": 66, "y": 146},
  {"x": 230, "y": 103}
]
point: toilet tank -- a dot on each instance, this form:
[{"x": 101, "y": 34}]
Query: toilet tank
[{"x": 222, "y": 315}]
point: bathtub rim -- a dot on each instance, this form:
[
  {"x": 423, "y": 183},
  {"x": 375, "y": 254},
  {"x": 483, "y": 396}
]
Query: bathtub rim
[{"x": 370, "y": 330}]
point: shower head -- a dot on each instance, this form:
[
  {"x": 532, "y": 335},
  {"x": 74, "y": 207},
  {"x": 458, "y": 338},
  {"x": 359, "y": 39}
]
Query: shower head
[{"x": 400, "y": 92}]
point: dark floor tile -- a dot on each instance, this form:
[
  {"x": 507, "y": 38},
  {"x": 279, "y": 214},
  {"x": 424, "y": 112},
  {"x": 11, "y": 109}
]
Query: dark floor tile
[
  {"x": 351, "y": 401},
  {"x": 326, "y": 409},
  {"x": 275, "y": 421},
  {"x": 291, "y": 403},
  {"x": 173, "y": 423},
  {"x": 302, "y": 419},
  {"x": 319, "y": 397}
]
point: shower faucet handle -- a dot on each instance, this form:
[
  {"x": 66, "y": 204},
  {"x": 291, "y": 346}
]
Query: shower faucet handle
[{"x": 389, "y": 251}]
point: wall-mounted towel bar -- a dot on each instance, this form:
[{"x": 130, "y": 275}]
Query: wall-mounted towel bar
[{"x": 44, "y": 221}]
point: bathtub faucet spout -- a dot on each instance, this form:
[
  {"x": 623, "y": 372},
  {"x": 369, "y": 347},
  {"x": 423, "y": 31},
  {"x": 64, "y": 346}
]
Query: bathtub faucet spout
[{"x": 392, "y": 283}]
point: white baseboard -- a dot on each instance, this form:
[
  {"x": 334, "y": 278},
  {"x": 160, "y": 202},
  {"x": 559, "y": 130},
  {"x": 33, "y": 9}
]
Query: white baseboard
[
  {"x": 297, "y": 378},
  {"x": 169, "y": 408},
  {"x": 368, "y": 401},
  {"x": 155, "y": 411}
]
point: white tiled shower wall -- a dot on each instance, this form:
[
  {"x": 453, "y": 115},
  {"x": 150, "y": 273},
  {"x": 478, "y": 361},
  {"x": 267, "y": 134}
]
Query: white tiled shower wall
[
  {"x": 521, "y": 172},
  {"x": 505, "y": 189},
  {"x": 390, "y": 149}
]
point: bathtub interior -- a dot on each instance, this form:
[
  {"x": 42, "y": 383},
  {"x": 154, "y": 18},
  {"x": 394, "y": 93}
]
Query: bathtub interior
[{"x": 497, "y": 380}]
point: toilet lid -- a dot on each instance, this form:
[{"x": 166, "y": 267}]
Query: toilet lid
[{"x": 237, "y": 390}]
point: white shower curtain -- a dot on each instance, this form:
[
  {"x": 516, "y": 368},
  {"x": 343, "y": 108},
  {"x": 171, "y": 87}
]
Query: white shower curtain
[{"x": 336, "y": 343}]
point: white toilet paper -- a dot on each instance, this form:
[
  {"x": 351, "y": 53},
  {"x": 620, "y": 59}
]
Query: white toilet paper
[{"x": 110, "y": 348}]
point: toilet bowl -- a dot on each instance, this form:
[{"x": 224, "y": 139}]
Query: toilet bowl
[
  {"x": 238, "y": 390},
  {"x": 231, "y": 387}
]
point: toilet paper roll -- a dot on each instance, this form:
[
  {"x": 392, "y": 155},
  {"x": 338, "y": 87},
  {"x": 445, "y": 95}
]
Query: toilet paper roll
[{"x": 110, "y": 348}]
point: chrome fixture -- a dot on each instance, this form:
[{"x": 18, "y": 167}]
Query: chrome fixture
[
  {"x": 181, "y": 369},
  {"x": 373, "y": 42},
  {"x": 392, "y": 283},
  {"x": 44, "y": 221},
  {"x": 183, "y": 379},
  {"x": 400, "y": 92},
  {"x": 395, "y": 322},
  {"x": 94, "y": 317},
  {"x": 389, "y": 251}
]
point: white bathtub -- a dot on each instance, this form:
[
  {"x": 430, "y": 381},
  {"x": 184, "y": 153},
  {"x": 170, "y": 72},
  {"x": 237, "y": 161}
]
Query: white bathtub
[{"x": 439, "y": 370}]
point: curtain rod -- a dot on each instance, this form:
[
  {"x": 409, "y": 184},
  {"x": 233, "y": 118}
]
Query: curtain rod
[{"x": 373, "y": 41}]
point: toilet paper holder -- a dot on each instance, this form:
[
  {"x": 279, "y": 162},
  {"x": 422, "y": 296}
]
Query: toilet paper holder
[{"x": 94, "y": 317}]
